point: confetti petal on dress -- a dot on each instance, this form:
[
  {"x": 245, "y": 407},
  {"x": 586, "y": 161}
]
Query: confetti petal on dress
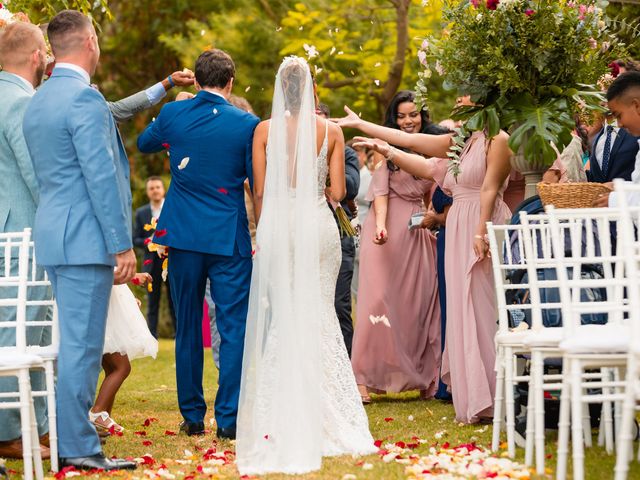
[
  {"x": 160, "y": 233},
  {"x": 215, "y": 111},
  {"x": 223, "y": 191},
  {"x": 148, "y": 261},
  {"x": 183, "y": 163},
  {"x": 149, "y": 287}
]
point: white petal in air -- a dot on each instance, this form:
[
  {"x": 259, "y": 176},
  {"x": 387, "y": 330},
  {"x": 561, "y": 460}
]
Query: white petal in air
[
  {"x": 183, "y": 163},
  {"x": 215, "y": 111}
]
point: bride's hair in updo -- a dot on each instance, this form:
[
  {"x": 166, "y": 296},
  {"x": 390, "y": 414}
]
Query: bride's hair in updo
[{"x": 294, "y": 77}]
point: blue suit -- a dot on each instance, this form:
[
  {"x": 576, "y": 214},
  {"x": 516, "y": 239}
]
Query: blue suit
[
  {"x": 622, "y": 159},
  {"x": 83, "y": 219},
  {"x": 205, "y": 224}
]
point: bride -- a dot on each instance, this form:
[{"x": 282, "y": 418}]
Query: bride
[{"x": 298, "y": 396}]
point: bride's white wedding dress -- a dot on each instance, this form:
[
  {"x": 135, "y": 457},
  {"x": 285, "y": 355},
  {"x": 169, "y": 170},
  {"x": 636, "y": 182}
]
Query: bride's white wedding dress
[{"x": 299, "y": 400}]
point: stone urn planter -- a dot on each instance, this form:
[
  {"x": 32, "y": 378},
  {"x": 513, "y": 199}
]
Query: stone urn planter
[{"x": 531, "y": 171}]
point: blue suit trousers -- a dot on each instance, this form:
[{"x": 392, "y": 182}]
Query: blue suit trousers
[
  {"x": 82, "y": 294},
  {"x": 230, "y": 278}
]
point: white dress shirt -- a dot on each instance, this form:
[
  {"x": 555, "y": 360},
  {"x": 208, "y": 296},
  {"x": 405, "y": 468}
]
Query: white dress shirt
[
  {"x": 599, "y": 146},
  {"x": 634, "y": 198},
  {"x": 155, "y": 213},
  {"x": 75, "y": 68}
]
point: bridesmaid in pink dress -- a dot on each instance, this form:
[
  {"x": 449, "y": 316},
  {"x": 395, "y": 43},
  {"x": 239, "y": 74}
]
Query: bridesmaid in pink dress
[
  {"x": 396, "y": 345},
  {"x": 469, "y": 357}
]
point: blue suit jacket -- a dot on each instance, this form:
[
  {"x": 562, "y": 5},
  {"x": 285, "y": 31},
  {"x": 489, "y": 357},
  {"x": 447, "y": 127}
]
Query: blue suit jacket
[
  {"x": 622, "y": 160},
  {"x": 204, "y": 208},
  {"x": 18, "y": 186},
  {"x": 84, "y": 215}
]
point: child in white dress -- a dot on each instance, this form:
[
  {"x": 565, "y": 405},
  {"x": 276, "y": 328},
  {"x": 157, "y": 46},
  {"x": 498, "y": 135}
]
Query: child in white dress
[{"x": 127, "y": 337}]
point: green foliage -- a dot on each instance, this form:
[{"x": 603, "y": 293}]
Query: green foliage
[
  {"x": 43, "y": 11},
  {"x": 625, "y": 18},
  {"x": 528, "y": 66}
]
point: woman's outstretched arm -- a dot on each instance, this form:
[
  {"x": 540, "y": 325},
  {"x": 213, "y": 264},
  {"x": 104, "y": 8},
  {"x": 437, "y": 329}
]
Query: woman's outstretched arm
[
  {"x": 259, "y": 166},
  {"x": 429, "y": 145}
]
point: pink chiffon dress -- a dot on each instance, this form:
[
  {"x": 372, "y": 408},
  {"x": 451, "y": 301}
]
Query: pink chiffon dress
[
  {"x": 468, "y": 364},
  {"x": 396, "y": 346}
]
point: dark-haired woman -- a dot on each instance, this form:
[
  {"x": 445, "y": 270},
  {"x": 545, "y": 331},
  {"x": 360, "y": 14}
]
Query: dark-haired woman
[{"x": 396, "y": 346}]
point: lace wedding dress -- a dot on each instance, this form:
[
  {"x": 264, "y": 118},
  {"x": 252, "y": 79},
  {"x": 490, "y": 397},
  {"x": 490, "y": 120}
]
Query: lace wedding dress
[{"x": 298, "y": 400}]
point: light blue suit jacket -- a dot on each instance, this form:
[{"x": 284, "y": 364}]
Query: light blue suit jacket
[
  {"x": 84, "y": 215},
  {"x": 18, "y": 186}
]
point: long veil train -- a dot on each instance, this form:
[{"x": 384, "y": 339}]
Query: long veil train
[{"x": 298, "y": 397}]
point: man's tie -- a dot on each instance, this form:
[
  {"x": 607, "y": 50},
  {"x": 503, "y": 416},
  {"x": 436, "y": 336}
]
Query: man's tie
[{"x": 607, "y": 151}]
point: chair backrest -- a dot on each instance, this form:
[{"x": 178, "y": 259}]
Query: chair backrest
[
  {"x": 41, "y": 307},
  {"x": 589, "y": 265},
  {"x": 629, "y": 204},
  {"x": 14, "y": 273},
  {"x": 516, "y": 261}
]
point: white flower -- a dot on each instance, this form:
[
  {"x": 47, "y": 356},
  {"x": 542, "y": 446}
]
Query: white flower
[
  {"x": 183, "y": 163},
  {"x": 422, "y": 57},
  {"x": 379, "y": 319},
  {"x": 311, "y": 50},
  {"x": 377, "y": 82},
  {"x": 6, "y": 15},
  {"x": 479, "y": 17}
]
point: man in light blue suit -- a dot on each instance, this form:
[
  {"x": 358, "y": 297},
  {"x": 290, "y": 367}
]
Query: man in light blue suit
[
  {"x": 204, "y": 222},
  {"x": 23, "y": 59},
  {"x": 82, "y": 226}
]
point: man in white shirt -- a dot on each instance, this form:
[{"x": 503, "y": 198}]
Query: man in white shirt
[{"x": 623, "y": 97}]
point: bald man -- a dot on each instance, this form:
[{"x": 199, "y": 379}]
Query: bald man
[
  {"x": 82, "y": 227},
  {"x": 23, "y": 59}
]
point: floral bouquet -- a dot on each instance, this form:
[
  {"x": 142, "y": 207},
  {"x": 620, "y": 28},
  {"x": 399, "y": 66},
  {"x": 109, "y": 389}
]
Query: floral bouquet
[
  {"x": 529, "y": 66},
  {"x": 6, "y": 17}
]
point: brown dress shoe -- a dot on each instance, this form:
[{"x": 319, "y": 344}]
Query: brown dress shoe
[
  {"x": 44, "y": 440},
  {"x": 13, "y": 449}
]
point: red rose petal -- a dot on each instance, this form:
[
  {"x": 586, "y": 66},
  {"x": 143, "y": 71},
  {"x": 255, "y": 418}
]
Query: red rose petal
[
  {"x": 148, "y": 460},
  {"x": 147, "y": 443},
  {"x": 223, "y": 191},
  {"x": 378, "y": 443},
  {"x": 160, "y": 233},
  {"x": 446, "y": 445},
  {"x": 401, "y": 444},
  {"x": 147, "y": 241},
  {"x": 149, "y": 420},
  {"x": 266, "y": 437},
  {"x": 166, "y": 146},
  {"x": 135, "y": 281},
  {"x": 148, "y": 261},
  {"x": 140, "y": 433},
  {"x": 388, "y": 419},
  {"x": 169, "y": 433}
]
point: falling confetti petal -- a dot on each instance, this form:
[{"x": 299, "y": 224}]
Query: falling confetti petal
[
  {"x": 184, "y": 163},
  {"x": 247, "y": 89},
  {"x": 160, "y": 233},
  {"x": 223, "y": 191},
  {"x": 215, "y": 111},
  {"x": 148, "y": 261}
]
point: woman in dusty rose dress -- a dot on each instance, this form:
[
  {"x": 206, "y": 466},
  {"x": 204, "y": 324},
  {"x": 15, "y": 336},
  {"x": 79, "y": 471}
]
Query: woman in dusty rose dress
[
  {"x": 396, "y": 346},
  {"x": 469, "y": 357}
]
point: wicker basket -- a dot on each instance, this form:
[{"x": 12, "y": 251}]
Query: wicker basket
[{"x": 570, "y": 195}]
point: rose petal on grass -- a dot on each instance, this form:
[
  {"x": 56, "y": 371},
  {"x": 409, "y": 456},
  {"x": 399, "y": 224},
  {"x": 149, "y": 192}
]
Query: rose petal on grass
[
  {"x": 388, "y": 419},
  {"x": 169, "y": 433}
]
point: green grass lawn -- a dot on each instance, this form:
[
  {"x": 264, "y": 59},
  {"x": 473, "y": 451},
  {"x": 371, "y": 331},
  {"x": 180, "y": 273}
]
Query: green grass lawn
[{"x": 150, "y": 393}]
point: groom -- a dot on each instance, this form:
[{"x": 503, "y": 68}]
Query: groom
[{"x": 204, "y": 224}]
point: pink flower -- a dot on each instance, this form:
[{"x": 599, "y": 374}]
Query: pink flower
[
  {"x": 528, "y": 12},
  {"x": 492, "y": 4},
  {"x": 475, "y": 3},
  {"x": 615, "y": 69}
]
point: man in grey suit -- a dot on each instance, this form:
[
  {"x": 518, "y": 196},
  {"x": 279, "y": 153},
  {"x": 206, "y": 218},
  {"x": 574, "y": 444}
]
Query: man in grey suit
[{"x": 23, "y": 58}]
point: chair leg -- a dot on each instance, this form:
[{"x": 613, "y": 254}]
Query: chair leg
[
  {"x": 51, "y": 413},
  {"x": 26, "y": 404},
  {"x": 510, "y": 402},
  {"x": 607, "y": 414},
  {"x": 563, "y": 426},
  {"x": 530, "y": 432},
  {"x": 537, "y": 372},
  {"x": 499, "y": 400},
  {"x": 617, "y": 406},
  {"x": 577, "y": 420},
  {"x": 625, "y": 440},
  {"x": 35, "y": 443}
]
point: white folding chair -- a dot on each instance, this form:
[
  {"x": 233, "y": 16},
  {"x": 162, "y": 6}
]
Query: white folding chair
[
  {"x": 15, "y": 360},
  {"x": 528, "y": 247},
  {"x": 48, "y": 350},
  {"x": 587, "y": 258},
  {"x": 630, "y": 244}
]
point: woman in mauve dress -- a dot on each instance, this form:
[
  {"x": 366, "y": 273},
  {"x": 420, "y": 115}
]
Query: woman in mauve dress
[
  {"x": 396, "y": 346},
  {"x": 469, "y": 357}
]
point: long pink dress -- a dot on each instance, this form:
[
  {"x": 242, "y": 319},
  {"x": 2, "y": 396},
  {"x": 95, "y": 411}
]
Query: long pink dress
[
  {"x": 469, "y": 356},
  {"x": 396, "y": 346}
]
